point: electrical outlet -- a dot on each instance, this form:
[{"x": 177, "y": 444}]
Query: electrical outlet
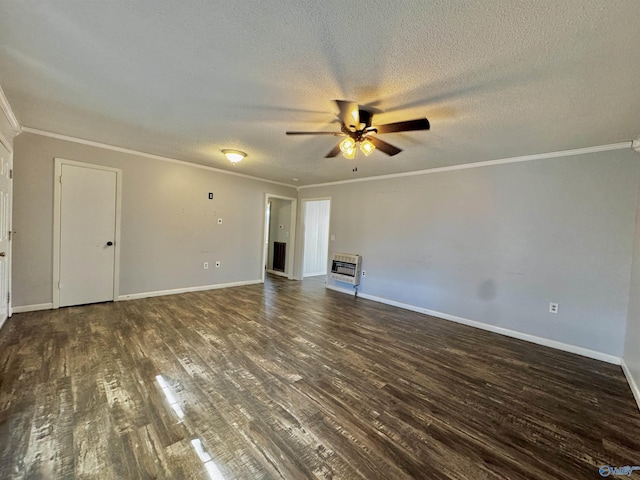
[
  {"x": 553, "y": 308},
  {"x": 205, "y": 265},
  {"x": 364, "y": 274},
  {"x": 218, "y": 264}
]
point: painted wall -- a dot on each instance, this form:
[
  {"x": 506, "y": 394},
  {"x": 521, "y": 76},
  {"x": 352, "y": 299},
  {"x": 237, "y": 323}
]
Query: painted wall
[
  {"x": 632, "y": 340},
  {"x": 280, "y": 216},
  {"x": 169, "y": 226},
  {"x": 497, "y": 244}
]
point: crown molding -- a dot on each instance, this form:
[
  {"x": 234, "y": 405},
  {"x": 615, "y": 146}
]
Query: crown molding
[
  {"x": 488, "y": 163},
  {"x": 91, "y": 143},
  {"x": 8, "y": 112},
  {"x": 635, "y": 145}
]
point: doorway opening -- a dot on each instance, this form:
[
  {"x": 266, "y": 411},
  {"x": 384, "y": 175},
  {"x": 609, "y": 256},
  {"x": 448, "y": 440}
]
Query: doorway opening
[
  {"x": 317, "y": 214},
  {"x": 279, "y": 235}
]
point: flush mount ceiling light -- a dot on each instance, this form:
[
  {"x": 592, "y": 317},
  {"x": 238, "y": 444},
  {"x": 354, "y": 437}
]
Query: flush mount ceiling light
[{"x": 234, "y": 156}]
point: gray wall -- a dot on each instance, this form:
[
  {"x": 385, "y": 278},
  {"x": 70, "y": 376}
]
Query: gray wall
[
  {"x": 497, "y": 244},
  {"x": 169, "y": 227},
  {"x": 632, "y": 340}
]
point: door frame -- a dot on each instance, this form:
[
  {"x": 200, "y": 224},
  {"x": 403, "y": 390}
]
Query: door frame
[
  {"x": 9, "y": 258},
  {"x": 304, "y": 227},
  {"x": 292, "y": 234},
  {"x": 57, "y": 190}
]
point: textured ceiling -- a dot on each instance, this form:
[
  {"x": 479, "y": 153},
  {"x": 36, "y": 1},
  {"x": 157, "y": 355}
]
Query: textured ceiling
[{"x": 184, "y": 79}]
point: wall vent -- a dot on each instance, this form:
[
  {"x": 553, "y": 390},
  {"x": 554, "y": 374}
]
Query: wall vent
[{"x": 346, "y": 267}]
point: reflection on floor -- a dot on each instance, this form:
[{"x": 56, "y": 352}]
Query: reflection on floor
[{"x": 290, "y": 380}]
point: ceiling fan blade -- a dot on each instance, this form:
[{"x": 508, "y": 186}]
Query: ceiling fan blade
[
  {"x": 334, "y": 152},
  {"x": 384, "y": 146},
  {"x": 409, "y": 125},
  {"x": 314, "y": 133},
  {"x": 349, "y": 113}
]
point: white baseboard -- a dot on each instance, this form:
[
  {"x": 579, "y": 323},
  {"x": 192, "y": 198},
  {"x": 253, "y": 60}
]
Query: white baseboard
[
  {"x": 175, "y": 291},
  {"x": 585, "y": 352},
  {"x": 33, "y": 308},
  {"x": 632, "y": 383},
  {"x": 134, "y": 296}
]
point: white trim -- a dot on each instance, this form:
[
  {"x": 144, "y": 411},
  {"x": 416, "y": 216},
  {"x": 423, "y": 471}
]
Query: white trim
[
  {"x": 632, "y": 383},
  {"x": 33, "y": 308},
  {"x": 57, "y": 189},
  {"x": 146, "y": 155},
  {"x": 11, "y": 241},
  {"x": 635, "y": 144},
  {"x": 313, "y": 274},
  {"x": 4, "y": 141},
  {"x": 605, "y": 357},
  {"x": 8, "y": 112},
  {"x": 464, "y": 166},
  {"x": 275, "y": 272},
  {"x": 175, "y": 291}
]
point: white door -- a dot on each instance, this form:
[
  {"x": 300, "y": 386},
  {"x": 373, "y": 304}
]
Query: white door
[
  {"x": 316, "y": 237},
  {"x": 5, "y": 229},
  {"x": 88, "y": 198}
]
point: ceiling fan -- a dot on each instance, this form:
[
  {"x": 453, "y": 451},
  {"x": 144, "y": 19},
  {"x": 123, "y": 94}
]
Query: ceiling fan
[{"x": 356, "y": 126}]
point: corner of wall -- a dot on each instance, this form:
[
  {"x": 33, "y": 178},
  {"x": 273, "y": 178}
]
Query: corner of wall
[
  {"x": 8, "y": 113},
  {"x": 635, "y": 390},
  {"x": 630, "y": 358}
]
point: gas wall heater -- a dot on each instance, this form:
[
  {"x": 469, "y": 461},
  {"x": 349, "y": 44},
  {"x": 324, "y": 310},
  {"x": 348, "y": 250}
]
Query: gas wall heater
[{"x": 346, "y": 267}]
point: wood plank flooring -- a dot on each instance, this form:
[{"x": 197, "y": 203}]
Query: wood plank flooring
[{"x": 292, "y": 381}]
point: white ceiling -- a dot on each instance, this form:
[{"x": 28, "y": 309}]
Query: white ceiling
[{"x": 184, "y": 79}]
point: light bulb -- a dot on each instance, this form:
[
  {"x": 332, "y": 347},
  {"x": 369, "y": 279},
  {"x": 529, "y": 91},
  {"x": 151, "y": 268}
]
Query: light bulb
[
  {"x": 350, "y": 153},
  {"x": 367, "y": 147},
  {"x": 347, "y": 144}
]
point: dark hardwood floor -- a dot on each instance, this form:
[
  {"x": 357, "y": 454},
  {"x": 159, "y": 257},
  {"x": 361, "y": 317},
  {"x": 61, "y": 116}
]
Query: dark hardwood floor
[{"x": 289, "y": 380}]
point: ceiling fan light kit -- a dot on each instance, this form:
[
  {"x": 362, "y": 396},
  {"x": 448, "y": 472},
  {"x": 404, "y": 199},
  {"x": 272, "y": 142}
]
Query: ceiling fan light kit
[
  {"x": 367, "y": 147},
  {"x": 347, "y": 144},
  {"x": 349, "y": 154},
  {"x": 357, "y": 128}
]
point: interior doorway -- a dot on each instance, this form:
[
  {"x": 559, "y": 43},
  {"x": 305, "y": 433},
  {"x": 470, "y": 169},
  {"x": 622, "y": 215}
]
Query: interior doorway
[
  {"x": 317, "y": 214},
  {"x": 86, "y": 236},
  {"x": 279, "y": 235},
  {"x": 6, "y": 163}
]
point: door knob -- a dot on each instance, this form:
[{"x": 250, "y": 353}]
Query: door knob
[
  {"x": 109, "y": 244},
  {"x": 3, "y": 254}
]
